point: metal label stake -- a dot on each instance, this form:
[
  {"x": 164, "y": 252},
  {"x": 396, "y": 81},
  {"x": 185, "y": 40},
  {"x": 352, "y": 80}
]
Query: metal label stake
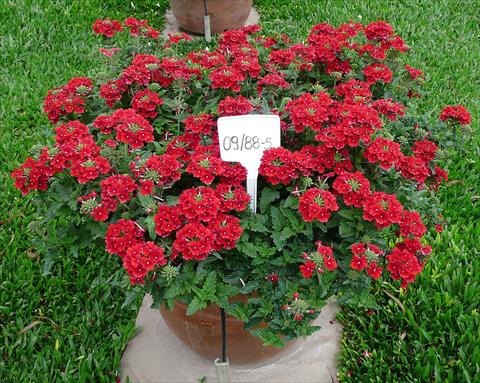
[
  {"x": 206, "y": 23},
  {"x": 222, "y": 367}
]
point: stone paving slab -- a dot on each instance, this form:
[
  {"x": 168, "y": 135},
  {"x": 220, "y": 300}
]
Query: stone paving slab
[{"x": 155, "y": 355}]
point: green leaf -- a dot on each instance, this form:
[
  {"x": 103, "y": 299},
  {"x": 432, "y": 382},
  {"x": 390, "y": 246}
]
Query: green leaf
[
  {"x": 268, "y": 337},
  {"x": 267, "y": 197},
  {"x": 346, "y": 230},
  {"x": 247, "y": 248},
  {"x": 286, "y": 233},
  {"x": 278, "y": 240},
  {"x": 278, "y": 220},
  {"x": 172, "y": 292},
  {"x": 252, "y": 322},
  {"x": 347, "y": 213},
  {"x": 48, "y": 261},
  {"x": 195, "y": 305},
  {"x": 131, "y": 296},
  {"x": 291, "y": 202},
  {"x": 150, "y": 224}
]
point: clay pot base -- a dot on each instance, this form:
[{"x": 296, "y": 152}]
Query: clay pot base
[
  {"x": 172, "y": 26},
  {"x": 155, "y": 354},
  {"x": 202, "y": 333}
]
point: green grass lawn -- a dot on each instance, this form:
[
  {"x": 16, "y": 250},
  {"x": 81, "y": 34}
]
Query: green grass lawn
[{"x": 69, "y": 326}]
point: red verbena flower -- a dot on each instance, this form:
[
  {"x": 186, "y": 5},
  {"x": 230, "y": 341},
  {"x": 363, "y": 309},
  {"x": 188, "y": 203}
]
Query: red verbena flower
[
  {"x": 202, "y": 123},
  {"x": 199, "y": 204},
  {"x": 308, "y": 268},
  {"x": 145, "y": 103},
  {"x": 413, "y": 168},
  {"x": 107, "y": 27},
  {"x": 237, "y": 106},
  {"x": 378, "y": 72},
  {"x": 389, "y": 109},
  {"x": 411, "y": 224},
  {"x": 122, "y": 235},
  {"x": 226, "y": 230},
  {"x": 226, "y": 78},
  {"x": 328, "y": 258},
  {"x": 167, "y": 220},
  {"x": 457, "y": 114},
  {"x": 232, "y": 197},
  {"x": 310, "y": 111},
  {"x": 354, "y": 187},
  {"x": 278, "y": 166},
  {"x": 384, "y": 151},
  {"x": 193, "y": 241},
  {"x": 317, "y": 204},
  {"x": 142, "y": 258},
  {"x": 115, "y": 189},
  {"x": 382, "y": 208},
  {"x": 414, "y": 73}
]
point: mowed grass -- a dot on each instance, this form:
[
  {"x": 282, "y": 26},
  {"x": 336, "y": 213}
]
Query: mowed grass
[
  {"x": 432, "y": 332},
  {"x": 70, "y": 326}
]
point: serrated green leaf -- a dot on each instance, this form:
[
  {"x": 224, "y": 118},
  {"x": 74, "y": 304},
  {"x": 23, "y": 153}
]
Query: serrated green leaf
[
  {"x": 266, "y": 198},
  {"x": 195, "y": 305}
]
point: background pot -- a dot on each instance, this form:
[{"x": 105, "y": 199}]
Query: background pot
[
  {"x": 224, "y": 14},
  {"x": 202, "y": 332}
]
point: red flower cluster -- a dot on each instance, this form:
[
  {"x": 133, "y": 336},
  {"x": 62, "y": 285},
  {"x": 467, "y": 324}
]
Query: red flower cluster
[
  {"x": 384, "y": 151},
  {"x": 403, "y": 261},
  {"x": 366, "y": 256},
  {"x": 457, "y": 114},
  {"x": 145, "y": 103},
  {"x": 413, "y": 168},
  {"x": 202, "y": 123},
  {"x": 31, "y": 175},
  {"x": 121, "y": 236},
  {"x": 130, "y": 127},
  {"x": 273, "y": 80},
  {"x": 327, "y": 254},
  {"x": 115, "y": 189},
  {"x": 140, "y": 28},
  {"x": 378, "y": 72},
  {"x": 354, "y": 187},
  {"x": 157, "y": 170},
  {"x": 382, "y": 208},
  {"x": 112, "y": 91},
  {"x": 332, "y": 146},
  {"x": 411, "y": 224},
  {"x": 389, "y": 109},
  {"x": 232, "y": 197},
  {"x": 142, "y": 258},
  {"x": 67, "y": 99},
  {"x": 317, "y": 261},
  {"x": 354, "y": 91},
  {"x": 317, "y": 204},
  {"x": 167, "y": 220},
  {"x": 278, "y": 166},
  {"x": 193, "y": 241},
  {"x": 310, "y": 111},
  {"x": 107, "y": 27},
  {"x": 226, "y": 78},
  {"x": 237, "y": 106}
]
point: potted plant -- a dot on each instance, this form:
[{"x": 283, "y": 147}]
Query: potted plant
[
  {"x": 344, "y": 202},
  {"x": 224, "y": 14}
]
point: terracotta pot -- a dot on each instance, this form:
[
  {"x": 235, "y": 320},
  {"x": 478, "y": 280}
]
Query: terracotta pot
[
  {"x": 202, "y": 332},
  {"x": 224, "y": 14}
]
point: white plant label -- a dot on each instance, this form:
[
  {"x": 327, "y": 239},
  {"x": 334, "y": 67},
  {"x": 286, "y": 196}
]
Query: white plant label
[{"x": 243, "y": 139}]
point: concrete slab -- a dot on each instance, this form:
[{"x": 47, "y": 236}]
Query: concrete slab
[
  {"x": 171, "y": 24},
  {"x": 155, "y": 355}
]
